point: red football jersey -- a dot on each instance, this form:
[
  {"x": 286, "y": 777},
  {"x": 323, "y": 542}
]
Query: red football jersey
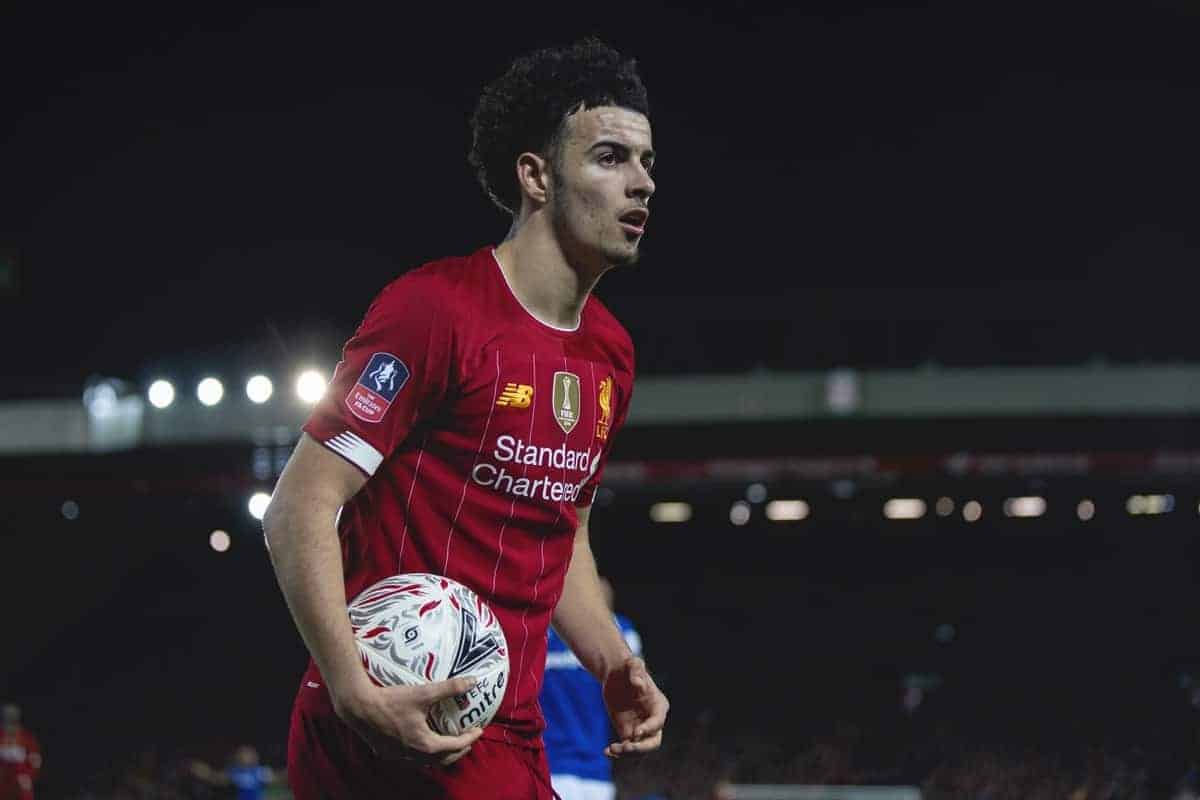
[
  {"x": 20, "y": 763},
  {"x": 482, "y": 430}
]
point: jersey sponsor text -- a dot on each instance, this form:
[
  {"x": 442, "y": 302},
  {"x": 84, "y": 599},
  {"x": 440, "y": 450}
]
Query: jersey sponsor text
[{"x": 512, "y": 450}]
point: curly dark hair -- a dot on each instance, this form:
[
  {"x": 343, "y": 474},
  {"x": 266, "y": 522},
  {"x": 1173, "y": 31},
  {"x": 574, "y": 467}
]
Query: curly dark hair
[{"x": 526, "y": 109}]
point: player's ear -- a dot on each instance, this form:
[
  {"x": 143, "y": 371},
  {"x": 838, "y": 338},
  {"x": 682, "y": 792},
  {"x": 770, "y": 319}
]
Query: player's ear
[{"x": 533, "y": 176}]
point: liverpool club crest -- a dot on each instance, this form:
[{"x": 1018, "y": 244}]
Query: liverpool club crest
[{"x": 605, "y": 401}]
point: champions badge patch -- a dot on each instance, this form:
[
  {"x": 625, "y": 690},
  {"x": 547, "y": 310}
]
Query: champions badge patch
[
  {"x": 566, "y": 400},
  {"x": 377, "y": 386}
]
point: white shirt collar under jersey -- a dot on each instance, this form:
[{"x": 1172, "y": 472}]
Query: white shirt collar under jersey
[{"x": 536, "y": 318}]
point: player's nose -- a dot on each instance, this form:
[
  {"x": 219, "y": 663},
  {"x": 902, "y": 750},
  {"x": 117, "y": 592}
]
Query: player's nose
[{"x": 641, "y": 185}]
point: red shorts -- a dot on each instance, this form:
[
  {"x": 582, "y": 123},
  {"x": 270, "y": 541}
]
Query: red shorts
[{"x": 329, "y": 761}]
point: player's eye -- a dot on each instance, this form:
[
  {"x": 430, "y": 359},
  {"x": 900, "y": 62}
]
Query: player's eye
[{"x": 608, "y": 159}]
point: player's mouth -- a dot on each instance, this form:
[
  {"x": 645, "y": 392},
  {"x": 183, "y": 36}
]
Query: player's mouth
[{"x": 634, "y": 221}]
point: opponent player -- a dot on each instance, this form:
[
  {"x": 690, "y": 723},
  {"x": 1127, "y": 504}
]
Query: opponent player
[
  {"x": 20, "y": 756},
  {"x": 246, "y": 775},
  {"x": 464, "y": 433},
  {"x": 577, "y": 724}
]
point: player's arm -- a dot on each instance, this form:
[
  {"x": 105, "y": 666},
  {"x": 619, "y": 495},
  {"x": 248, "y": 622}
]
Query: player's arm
[
  {"x": 301, "y": 534},
  {"x": 203, "y": 772},
  {"x": 582, "y": 618}
]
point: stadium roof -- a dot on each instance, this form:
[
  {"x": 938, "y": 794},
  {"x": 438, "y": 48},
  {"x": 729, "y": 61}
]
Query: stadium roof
[{"x": 843, "y": 184}]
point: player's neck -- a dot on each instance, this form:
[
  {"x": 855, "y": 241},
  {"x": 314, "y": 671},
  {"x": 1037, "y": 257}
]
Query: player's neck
[{"x": 542, "y": 277}]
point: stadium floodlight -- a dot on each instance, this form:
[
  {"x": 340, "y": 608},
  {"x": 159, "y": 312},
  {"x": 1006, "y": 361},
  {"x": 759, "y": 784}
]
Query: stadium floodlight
[
  {"x": 258, "y": 504},
  {"x": 210, "y": 391},
  {"x": 161, "y": 393},
  {"x": 972, "y": 510},
  {"x": 671, "y": 512},
  {"x": 904, "y": 508},
  {"x": 739, "y": 513},
  {"x": 787, "y": 510},
  {"x": 1085, "y": 510},
  {"x": 843, "y": 391},
  {"x": 1149, "y": 504},
  {"x": 756, "y": 493},
  {"x": 310, "y": 386},
  {"x": 1160, "y": 503},
  {"x": 100, "y": 397},
  {"x": 944, "y": 506},
  {"x": 1025, "y": 507},
  {"x": 259, "y": 388},
  {"x": 219, "y": 541}
]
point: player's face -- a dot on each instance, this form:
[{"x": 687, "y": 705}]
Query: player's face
[{"x": 602, "y": 185}]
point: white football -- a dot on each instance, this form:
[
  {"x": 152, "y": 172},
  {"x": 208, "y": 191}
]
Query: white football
[{"x": 421, "y": 628}]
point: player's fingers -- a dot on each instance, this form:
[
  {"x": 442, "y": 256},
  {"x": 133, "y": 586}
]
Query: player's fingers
[
  {"x": 623, "y": 748},
  {"x": 647, "y": 745},
  {"x": 455, "y": 756},
  {"x": 437, "y": 743},
  {"x": 440, "y": 690},
  {"x": 614, "y": 750},
  {"x": 624, "y": 723},
  {"x": 654, "y": 722}
]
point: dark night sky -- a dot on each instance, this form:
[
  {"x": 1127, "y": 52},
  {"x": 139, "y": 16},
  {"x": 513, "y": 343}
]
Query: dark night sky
[{"x": 206, "y": 186}]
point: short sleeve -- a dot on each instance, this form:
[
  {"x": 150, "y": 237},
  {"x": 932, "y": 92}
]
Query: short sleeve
[
  {"x": 587, "y": 493},
  {"x": 394, "y": 373}
]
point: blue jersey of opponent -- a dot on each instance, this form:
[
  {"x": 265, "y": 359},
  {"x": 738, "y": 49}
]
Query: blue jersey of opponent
[
  {"x": 249, "y": 781},
  {"x": 577, "y": 724}
]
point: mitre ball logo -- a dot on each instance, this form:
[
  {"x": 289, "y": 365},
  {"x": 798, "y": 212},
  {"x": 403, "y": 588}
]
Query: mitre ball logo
[{"x": 372, "y": 395}]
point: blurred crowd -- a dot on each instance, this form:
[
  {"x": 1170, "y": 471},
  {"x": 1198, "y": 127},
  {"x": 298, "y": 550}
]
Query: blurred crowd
[
  {"x": 152, "y": 776},
  {"x": 701, "y": 765},
  {"x": 698, "y": 764}
]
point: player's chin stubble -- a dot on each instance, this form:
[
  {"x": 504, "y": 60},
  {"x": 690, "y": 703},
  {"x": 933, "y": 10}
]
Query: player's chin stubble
[
  {"x": 626, "y": 258},
  {"x": 627, "y": 254},
  {"x": 587, "y": 233}
]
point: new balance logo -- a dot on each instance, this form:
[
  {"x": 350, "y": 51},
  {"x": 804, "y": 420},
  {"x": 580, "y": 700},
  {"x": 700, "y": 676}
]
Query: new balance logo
[{"x": 516, "y": 395}]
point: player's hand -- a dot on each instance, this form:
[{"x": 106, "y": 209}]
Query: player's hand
[
  {"x": 638, "y": 709},
  {"x": 394, "y": 720}
]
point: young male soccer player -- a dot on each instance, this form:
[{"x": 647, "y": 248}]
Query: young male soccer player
[
  {"x": 464, "y": 433},
  {"x": 577, "y": 724}
]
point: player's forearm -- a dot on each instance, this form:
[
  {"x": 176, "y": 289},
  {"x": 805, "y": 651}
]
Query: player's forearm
[
  {"x": 307, "y": 558},
  {"x": 583, "y": 619}
]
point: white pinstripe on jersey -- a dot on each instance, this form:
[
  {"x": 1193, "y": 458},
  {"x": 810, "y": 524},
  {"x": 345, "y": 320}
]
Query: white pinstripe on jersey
[
  {"x": 478, "y": 452},
  {"x": 511, "y": 510},
  {"x": 542, "y": 543},
  {"x": 525, "y": 472},
  {"x": 408, "y": 503}
]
